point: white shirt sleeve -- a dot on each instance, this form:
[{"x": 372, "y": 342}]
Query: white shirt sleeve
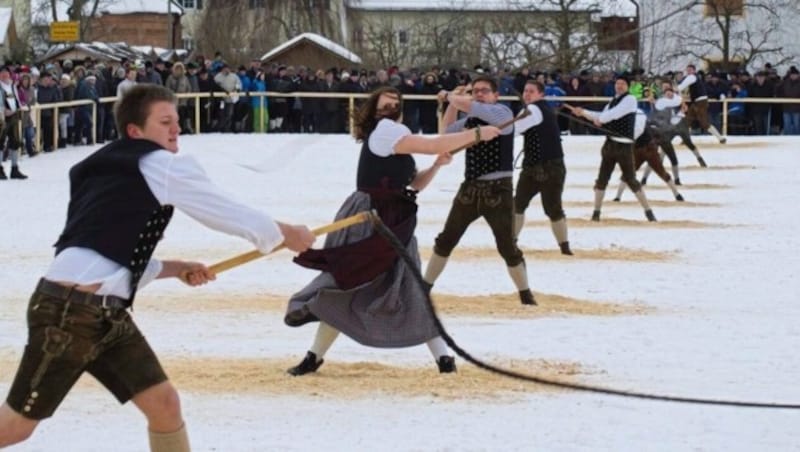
[
  {"x": 533, "y": 119},
  {"x": 687, "y": 82},
  {"x": 665, "y": 102},
  {"x": 385, "y": 137},
  {"x": 638, "y": 126},
  {"x": 180, "y": 181},
  {"x": 151, "y": 272},
  {"x": 626, "y": 106}
]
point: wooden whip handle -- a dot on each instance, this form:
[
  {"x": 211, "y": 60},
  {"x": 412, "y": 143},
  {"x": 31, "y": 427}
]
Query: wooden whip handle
[{"x": 235, "y": 261}]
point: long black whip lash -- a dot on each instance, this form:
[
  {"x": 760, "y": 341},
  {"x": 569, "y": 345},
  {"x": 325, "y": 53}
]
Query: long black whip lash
[{"x": 415, "y": 271}]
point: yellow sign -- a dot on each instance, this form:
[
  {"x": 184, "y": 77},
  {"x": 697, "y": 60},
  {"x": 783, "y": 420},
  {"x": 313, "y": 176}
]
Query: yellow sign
[{"x": 64, "y": 31}]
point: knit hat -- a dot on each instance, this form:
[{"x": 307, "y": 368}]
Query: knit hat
[{"x": 793, "y": 70}]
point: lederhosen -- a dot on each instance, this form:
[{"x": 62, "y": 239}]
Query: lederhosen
[
  {"x": 543, "y": 167},
  {"x": 698, "y": 107},
  {"x": 491, "y": 199},
  {"x": 646, "y": 150},
  {"x": 616, "y": 152},
  {"x": 112, "y": 212}
]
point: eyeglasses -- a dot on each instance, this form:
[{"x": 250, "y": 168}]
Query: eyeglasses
[{"x": 481, "y": 90}]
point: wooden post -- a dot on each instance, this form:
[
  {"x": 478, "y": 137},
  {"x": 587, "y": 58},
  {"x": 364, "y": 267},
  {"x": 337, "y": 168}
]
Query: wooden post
[
  {"x": 94, "y": 122},
  {"x": 350, "y": 111},
  {"x": 725, "y": 117},
  {"x": 55, "y": 128},
  {"x": 197, "y": 115}
]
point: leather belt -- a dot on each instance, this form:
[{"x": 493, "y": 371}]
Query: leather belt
[{"x": 76, "y": 296}]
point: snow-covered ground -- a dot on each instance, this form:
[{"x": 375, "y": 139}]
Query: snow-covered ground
[{"x": 723, "y": 324}]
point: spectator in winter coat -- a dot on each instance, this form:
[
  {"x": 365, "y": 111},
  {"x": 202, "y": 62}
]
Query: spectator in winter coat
[
  {"x": 150, "y": 75},
  {"x": 428, "y": 119},
  {"x": 230, "y": 83},
  {"x": 332, "y": 116},
  {"x": 26, "y": 93},
  {"x": 48, "y": 93},
  {"x": 128, "y": 83},
  {"x": 790, "y": 88},
  {"x": 761, "y": 112},
  {"x": 86, "y": 90},
  {"x": 178, "y": 83}
]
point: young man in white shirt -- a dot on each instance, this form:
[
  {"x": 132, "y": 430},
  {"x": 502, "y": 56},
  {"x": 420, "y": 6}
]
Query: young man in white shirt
[
  {"x": 646, "y": 150},
  {"x": 543, "y": 169},
  {"x": 698, "y": 102},
  {"x": 122, "y": 198},
  {"x": 617, "y": 120},
  {"x": 10, "y": 115}
]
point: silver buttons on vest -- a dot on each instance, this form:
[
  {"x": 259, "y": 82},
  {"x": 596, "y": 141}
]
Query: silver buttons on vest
[{"x": 148, "y": 239}]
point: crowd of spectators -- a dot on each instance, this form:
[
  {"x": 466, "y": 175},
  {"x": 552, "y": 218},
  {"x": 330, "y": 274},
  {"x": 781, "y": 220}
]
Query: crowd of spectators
[{"x": 231, "y": 108}]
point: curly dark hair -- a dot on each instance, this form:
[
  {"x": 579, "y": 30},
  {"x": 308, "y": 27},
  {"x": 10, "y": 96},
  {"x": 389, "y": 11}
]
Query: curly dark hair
[{"x": 366, "y": 118}]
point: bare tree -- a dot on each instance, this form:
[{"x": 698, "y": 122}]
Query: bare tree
[
  {"x": 558, "y": 33},
  {"x": 735, "y": 33},
  {"x": 439, "y": 42},
  {"x": 237, "y": 31},
  {"x": 387, "y": 45},
  {"x": 242, "y": 32}
]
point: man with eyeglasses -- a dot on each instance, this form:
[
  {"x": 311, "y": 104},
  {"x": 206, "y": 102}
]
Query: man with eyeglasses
[{"x": 487, "y": 190}]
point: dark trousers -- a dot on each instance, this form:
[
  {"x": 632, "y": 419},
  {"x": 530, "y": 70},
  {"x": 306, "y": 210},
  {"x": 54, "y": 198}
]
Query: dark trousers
[
  {"x": 47, "y": 130},
  {"x": 665, "y": 136},
  {"x": 698, "y": 111},
  {"x": 648, "y": 152},
  {"x": 493, "y": 200},
  {"x": 225, "y": 117},
  {"x": 11, "y": 132},
  {"x": 546, "y": 178},
  {"x": 615, "y": 153}
]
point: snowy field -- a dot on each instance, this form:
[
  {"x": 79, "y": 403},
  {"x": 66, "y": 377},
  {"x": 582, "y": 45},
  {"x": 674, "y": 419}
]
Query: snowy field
[{"x": 720, "y": 318}]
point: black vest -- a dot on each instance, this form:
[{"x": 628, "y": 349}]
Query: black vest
[
  {"x": 543, "y": 141},
  {"x": 488, "y": 156},
  {"x": 622, "y": 127},
  {"x": 112, "y": 210},
  {"x": 697, "y": 89},
  {"x": 394, "y": 172}
]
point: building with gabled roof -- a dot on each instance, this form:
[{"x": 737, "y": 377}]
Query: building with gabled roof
[{"x": 309, "y": 48}]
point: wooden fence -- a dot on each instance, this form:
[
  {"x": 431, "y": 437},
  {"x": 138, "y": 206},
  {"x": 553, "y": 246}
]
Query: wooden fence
[{"x": 37, "y": 109}]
